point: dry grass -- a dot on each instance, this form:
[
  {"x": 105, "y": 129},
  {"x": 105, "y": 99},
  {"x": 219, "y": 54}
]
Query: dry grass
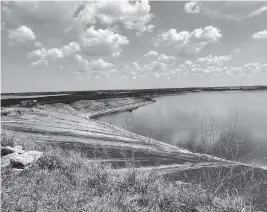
[
  {"x": 247, "y": 182},
  {"x": 67, "y": 180}
]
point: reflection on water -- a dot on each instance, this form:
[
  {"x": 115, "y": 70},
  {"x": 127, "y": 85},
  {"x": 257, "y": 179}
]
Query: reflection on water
[{"x": 203, "y": 118}]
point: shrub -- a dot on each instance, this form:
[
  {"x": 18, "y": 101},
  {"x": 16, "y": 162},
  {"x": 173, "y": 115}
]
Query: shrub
[{"x": 7, "y": 138}]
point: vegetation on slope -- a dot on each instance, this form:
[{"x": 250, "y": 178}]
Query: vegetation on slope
[{"x": 66, "y": 180}]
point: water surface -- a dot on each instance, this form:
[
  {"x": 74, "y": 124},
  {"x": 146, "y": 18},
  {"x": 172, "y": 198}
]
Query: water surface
[{"x": 204, "y": 119}]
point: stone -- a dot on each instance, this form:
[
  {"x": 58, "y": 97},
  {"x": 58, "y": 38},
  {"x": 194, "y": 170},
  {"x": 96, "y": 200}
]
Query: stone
[
  {"x": 25, "y": 159},
  {"x": 5, "y": 161},
  {"x": 4, "y": 113},
  {"x": 8, "y": 150},
  {"x": 19, "y": 149}
]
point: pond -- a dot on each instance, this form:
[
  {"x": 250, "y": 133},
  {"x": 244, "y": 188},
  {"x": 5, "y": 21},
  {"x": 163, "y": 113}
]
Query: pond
[{"x": 231, "y": 125}]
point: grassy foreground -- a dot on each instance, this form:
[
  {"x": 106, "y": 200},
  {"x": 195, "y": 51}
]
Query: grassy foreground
[{"x": 66, "y": 180}]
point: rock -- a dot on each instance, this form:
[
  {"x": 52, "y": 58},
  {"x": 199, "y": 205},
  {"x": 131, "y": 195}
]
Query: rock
[
  {"x": 19, "y": 149},
  {"x": 25, "y": 159},
  {"x": 4, "y": 113},
  {"x": 8, "y": 150},
  {"x": 5, "y": 161}
]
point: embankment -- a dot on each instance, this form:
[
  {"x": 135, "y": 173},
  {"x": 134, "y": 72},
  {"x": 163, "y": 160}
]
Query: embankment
[{"x": 71, "y": 126}]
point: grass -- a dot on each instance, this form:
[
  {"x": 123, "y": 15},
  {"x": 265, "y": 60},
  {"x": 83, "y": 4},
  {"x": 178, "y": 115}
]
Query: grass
[{"x": 67, "y": 180}]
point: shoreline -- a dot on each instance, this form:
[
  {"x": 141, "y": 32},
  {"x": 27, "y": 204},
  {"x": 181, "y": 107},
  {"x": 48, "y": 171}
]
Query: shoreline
[
  {"x": 120, "y": 110},
  {"x": 9, "y": 99}
]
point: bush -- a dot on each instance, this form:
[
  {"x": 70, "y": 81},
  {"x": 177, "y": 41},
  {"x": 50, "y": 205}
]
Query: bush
[
  {"x": 7, "y": 138},
  {"x": 50, "y": 162}
]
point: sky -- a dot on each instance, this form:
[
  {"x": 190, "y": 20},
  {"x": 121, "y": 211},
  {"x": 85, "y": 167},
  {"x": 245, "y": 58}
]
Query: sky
[{"x": 108, "y": 44}]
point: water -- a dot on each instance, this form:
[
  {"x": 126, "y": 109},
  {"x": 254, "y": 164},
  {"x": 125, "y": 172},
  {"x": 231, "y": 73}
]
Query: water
[{"x": 198, "y": 120}]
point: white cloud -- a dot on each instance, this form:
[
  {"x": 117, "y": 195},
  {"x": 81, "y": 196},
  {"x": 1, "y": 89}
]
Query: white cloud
[
  {"x": 137, "y": 66},
  {"x": 93, "y": 65},
  {"x": 38, "y": 44},
  {"x": 165, "y": 58},
  {"x": 83, "y": 62},
  {"x": 39, "y": 63},
  {"x": 189, "y": 42},
  {"x": 243, "y": 70},
  {"x": 52, "y": 11},
  {"x": 102, "y": 42},
  {"x": 5, "y": 7},
  {"x": 21, "y": 34},
  {"x": 187, "y": 64},
  {"x": 100, "y": 64},
  {"x": 192, "y": 7},
  {"x": 140, "y": 71},
  {"x": 235, "y": 11},
  {"x": 56, "y": 53},
  {"x": 67, "y": 29},
  {"x": 156, "y": 66},
  {"x": 258, "y": 11},
  {"x": 214, "y": 60},
  {"x": 237, "y": 50},
  {"x": 259, "y": 35},
  {"x": 161, "y": 57},
  {"x": 131, "y": 15},
  {"x": 254, "y": 67},
  {"x": 151, "y": 53},
  {"x": 217, "y": 66}
]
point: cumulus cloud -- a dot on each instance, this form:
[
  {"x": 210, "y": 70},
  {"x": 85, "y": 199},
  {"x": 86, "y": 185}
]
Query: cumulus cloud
[
  {"x": 235, "y": 11},
  {"x": 55, "y": 53},
  {"x": 137, "y": 67},
  {"x": 100, "y": 64},
  {"x": 21, "y": 34},
  {"x": 165, "y": 58},
  {"x": 260, "y": 35},
  {"x": 41, "y": 11},
  {"x": 132, "y": 15},
  {"x": 161, "y": 65},
  {"x": 254, "y": 67},
  {"x": 189, "y": 42},
  {"x": 190, "y": 67},
  {"x": 157, "y": 66},
  {"x": 155, "y": 69},
  {"x": 216, "y": 65},
  {"x": 246, "y": 69},
  {"x": 214, "y": 60},
  {"x": 39, "y": 63},
  {"x": 102, "y": 42},
  {"x": 38, "y": 44},
  {"x": 192, "y": 7},
  {"x": 151, "y": 53},
  {"x": 78, "y": 15},
  {"x": 5, "y": 9},
  {"x": 93, "y": 65}
]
